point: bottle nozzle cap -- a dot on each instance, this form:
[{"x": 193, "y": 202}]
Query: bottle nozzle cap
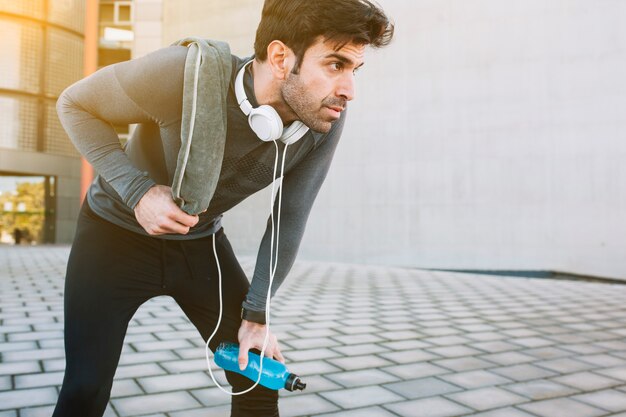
[{"x": 294, "y": 383}]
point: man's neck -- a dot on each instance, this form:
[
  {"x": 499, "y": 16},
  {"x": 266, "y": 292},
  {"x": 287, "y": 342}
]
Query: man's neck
[{"x": 267, "y": 91}]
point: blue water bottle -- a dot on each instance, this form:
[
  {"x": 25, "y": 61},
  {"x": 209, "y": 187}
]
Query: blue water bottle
[{"x": 274, "y": 376}]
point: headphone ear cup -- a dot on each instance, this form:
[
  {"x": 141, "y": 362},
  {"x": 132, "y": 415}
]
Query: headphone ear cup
[{"x": 266, "y": 123}]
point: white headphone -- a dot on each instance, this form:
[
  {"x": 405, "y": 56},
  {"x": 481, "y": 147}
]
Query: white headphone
[{"x": 264, "y": 120}]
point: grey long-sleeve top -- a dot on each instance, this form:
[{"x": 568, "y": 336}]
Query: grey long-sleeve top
[{"x": 148, "y": 91}]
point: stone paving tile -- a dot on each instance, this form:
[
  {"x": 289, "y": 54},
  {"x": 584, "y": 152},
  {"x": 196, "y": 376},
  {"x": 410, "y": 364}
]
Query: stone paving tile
[
  {"x": 540, "y": 389},
  {"x": 494, "y": 346},
  {"x": 211, "y": 396},
  {"x": 5, "y": 383},
  {"x": 618, "y": 372},
  {"x": 409, "y": 356},
  {"x": 523, "y": 372},
  {"x": 464, "y": 364},
  {"x": 446, "y": 340},
  {"x": 508, "y": 358},
  {"x": 187, "y": 365},
  {"x": 314, "y": 333},
  {"x": 619, "y": 354},
  {"x": 356, "y": 339},
  {"x": 137, "y": 371},
  {"x": 312, "y": 343},
  {"x": 15, "y": 329},
  {"x": 583, "y": 349},
  {"x": 219, "y": 411},
  {"x": 312, "y": 368},
  {"x": 161, "y": 345},
  {"x": 359, "y": 412},
  {"x": 365, "y": 349},
  {"x": 153, "y": 403},
  {"x": 125, "y": 388},
  {"x": 454, "y": 351},
  {"x": 310, "y": 354},
  {"x": 503, "y": 412},
  {"x": 362, "y": 377},
  {"x": 612, "y": 345},
  {"x": 315, "y": 324},
  {"x": 561, "y": 407},
  {"x": 486, "y": 336},
  {"x": 8, "y": 347},
  {"x": 400, "y": 335},
  {"x": 602, "y": 360},
  {"x": 431, "y": 407},
  {"x": 564, "y": 365},
  {"x": 17, "y": 368},
  {"x": 607, "y": 400},
  {"x": 532, "y": 342},
  {"x": 132, "y": 358},
  {"x": 155, "y": 415},
  {"x": 46, "y": 411},
  {"x": 475, "y": 379},
  {"x": 38, "y": 380},
  {"x": 140, "y": 338},
  {"x": 305, "y": 405},
  {"x": 386, "y": 326},
  {"x": 482, "y": 399},
  {"x": 415, "y": 370},
  {"x": 360, "y": 362},
  {"x": 176, "y": 382},
  {"x": 361, "y": 397},
  {"x": 27, "y": 397},
  {"x": 547, "y": 353},
  {"x": 33, "y": 355},
  {"x": 191, "y": 353},
  {"x": 404, "y": 344},
  {"x": 360, "y": 330},
  {"x": 587, "y": 381},
  {"x": 424, "y": 387}
]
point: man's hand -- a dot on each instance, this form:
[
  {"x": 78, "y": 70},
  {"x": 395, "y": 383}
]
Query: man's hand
[
  {"x": 157, "y": 213},
  {"x": 251, "y": 335}
]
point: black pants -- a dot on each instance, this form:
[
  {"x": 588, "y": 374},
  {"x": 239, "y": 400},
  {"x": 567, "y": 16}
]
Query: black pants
[{"x": 111, "y": 272}]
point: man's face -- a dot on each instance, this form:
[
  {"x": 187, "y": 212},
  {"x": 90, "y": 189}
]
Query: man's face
[{"x": 325, "y": 83}]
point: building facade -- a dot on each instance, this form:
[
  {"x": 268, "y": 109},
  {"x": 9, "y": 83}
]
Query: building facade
[
  {"x": 42, "y": 45},
  {"x": 41, "y": 52}
]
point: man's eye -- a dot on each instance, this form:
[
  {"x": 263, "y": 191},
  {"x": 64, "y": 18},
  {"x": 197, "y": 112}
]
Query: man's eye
[{"x": 336, "y": 66}]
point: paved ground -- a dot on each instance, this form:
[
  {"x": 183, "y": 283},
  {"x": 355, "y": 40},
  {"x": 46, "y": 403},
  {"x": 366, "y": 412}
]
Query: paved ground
[{"x": 375, "y": 342}]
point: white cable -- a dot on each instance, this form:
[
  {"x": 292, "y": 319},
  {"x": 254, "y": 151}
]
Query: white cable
[{"x": 272, "y": 271}]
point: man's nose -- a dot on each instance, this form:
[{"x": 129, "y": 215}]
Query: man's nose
[{"x": 345, "y": 88}]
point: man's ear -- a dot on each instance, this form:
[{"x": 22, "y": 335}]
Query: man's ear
[{"x": 280, "y": 59}]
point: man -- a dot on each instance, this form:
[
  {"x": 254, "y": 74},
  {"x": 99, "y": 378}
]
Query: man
[{"x": 133, "y": 241}]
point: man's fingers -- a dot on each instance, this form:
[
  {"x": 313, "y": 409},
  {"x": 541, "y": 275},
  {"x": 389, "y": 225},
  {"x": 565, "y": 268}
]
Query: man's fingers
[
  {"x": 183, "y": 218},
  {"x": 243, "y": 355},
  {"x": 169, "y": 226},
  {"x": 278, "y": 355}
]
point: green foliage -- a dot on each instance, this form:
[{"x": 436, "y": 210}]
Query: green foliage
[{"x": 24, "y": 209}]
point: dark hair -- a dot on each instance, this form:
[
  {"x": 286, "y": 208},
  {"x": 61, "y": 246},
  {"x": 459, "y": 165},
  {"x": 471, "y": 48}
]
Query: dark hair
[{"x": 298, "y": 23}]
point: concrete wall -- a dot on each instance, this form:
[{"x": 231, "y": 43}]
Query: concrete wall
[
  {"x": 489, "y": 135},
  {"x": 232, "y": 20},
  {"x": 148, "y": 26}
]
